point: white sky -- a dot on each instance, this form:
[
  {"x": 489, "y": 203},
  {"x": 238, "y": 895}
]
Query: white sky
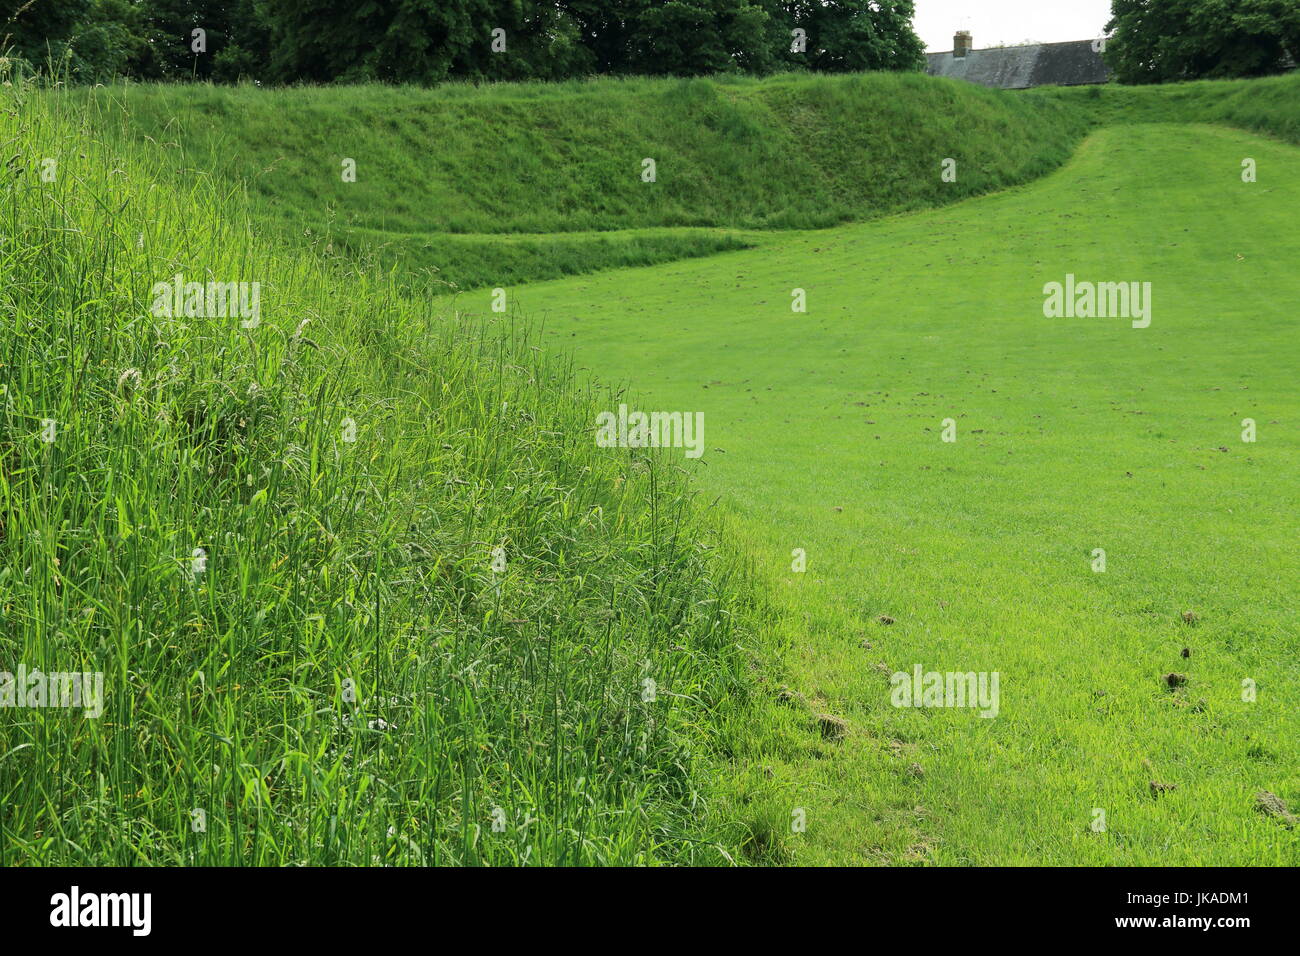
[{"x": 1009, "y": 21}]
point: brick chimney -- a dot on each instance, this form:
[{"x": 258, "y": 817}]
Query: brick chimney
[{"x": 962, "y": 43}]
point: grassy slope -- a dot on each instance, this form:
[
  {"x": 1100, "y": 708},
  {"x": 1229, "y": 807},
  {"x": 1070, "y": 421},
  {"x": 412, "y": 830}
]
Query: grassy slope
[
  {"x": 455, "y": 261},
  {"x": 502, "y": 184},
  {"x": 1270, "y": 106},
  {"x": 857, "y": 811},
  {"x": 327, "y": 561},
  {"x": 439, "y": 169},
  {"x": 823, "y": 434}
]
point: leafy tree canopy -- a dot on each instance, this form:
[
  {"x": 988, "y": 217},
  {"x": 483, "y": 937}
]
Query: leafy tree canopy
[
  {"x": 1160, "y": 41},
  {"x": 427, "y": 41}
]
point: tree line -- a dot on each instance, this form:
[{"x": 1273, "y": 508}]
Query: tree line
[{"x": 428, "y": 41}]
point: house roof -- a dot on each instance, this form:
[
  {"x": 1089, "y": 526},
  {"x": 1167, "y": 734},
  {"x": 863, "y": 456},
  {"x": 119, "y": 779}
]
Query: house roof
[{"x": 1072, "y": 63}]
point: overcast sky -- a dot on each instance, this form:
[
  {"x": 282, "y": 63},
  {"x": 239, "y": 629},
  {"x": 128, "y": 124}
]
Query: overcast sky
[{"x": 1009, "y": 21}]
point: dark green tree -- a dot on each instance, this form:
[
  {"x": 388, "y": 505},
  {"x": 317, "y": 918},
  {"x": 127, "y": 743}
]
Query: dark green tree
[
  {"x": 83, "y": 41},
  {"x": 112, "y": 41},
  {"x": 1161, "y": 41},
  {"x": 244, "y": 52},
  {"x": 853, "y": 35},
  {"x": 400, "y": 41},
  {"x": 692, "y": 37},
  {"x": 170, "y": 26},
  {"x": 428, "y": 41},
  {"x": 39, "y": 31}
]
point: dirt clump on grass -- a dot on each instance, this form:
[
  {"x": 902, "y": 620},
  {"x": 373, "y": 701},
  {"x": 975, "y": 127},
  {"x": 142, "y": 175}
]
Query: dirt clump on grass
[
  {"x": 832, "y": 728},
  {"x": 1271, "y": 805}
]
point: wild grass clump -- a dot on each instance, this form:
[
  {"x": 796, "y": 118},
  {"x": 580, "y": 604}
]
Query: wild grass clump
[{"x": 362, "y": 589}]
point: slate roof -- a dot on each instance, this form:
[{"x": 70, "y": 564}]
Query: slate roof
[{"x": 1073, "y": 63}]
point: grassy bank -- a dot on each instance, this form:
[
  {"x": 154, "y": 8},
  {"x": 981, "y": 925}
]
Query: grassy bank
[
  {"x": 491, "y": 186},
  {"x": 787, "y": 152},
  {"x": 277, "y": 541},
  {"x": 441, "y": 173},
  {"x": 1270, "y": 106},
  {"x": 360, "y": 587}
]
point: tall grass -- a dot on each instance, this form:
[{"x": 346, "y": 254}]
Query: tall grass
[
  {"x": 787, "y": 152},
  {"x": 346, "y": 680}
]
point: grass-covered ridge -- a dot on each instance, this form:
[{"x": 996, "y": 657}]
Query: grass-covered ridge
[
  {"x": 1270, "y": 105},
  {"x": 500, "y": 184},
  {"x": 787, "y": 152},
  {"x": 277, "y": 542},
  {"x": 441, "y": 172}
]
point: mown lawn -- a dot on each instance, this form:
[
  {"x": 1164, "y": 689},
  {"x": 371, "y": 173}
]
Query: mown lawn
[{"x": 823, "y": 432}]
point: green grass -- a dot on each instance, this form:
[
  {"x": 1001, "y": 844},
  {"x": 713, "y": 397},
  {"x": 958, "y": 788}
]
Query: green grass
[
  {"x": 455, "y": 261},
  {"x": 1270, "y": 106},
  {"x": 348, "y": 680},
  {"x": 371, "y": 560},
  {"x": 490, "y": 186},
  {"x": 441, "y": 174},
  {"x": 788, "y": 152},
  {"x": 823, "y": 433}
]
